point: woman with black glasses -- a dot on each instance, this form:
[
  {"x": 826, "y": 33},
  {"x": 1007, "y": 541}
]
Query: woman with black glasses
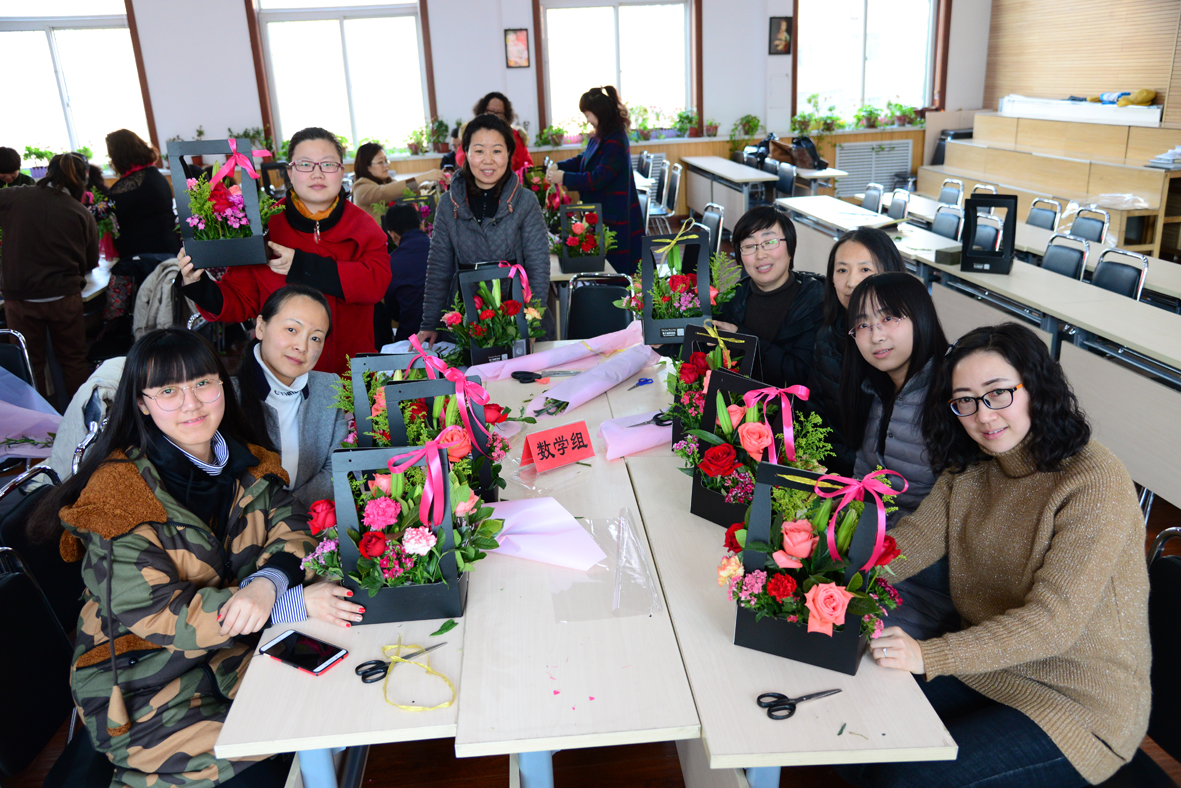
[{"x": 321, "y": 240}]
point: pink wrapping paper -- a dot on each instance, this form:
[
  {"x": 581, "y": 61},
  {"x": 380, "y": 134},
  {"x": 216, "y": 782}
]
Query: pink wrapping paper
[
  {"x": 24, "y": 414},
  {"x": 623, "y": 439},
  {"x": 540, "y": 529},
  {"x": 589, "y": 349},
  {"x": 582, "y": 388}
]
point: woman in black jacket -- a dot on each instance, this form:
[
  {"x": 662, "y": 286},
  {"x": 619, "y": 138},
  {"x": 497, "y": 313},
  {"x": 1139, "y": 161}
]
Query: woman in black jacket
[
  {"x": 142, "y": 197},
  {"x": 858, "y": 254}
]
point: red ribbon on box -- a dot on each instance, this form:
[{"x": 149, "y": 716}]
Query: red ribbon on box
[
  {"x": 854, "y": 490},
  {"x": 752, "y": 398},
  {"x": 467, "y": 396},
  {"x": 430, "y": 508},
  {"x": 433, "y": 364},
  {"x": 236, "y": 159}
]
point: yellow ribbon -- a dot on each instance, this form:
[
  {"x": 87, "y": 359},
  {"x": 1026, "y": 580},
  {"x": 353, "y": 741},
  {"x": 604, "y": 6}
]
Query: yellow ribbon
[
  {"x": 425, "y": 665},
  {"x": 804, "y": 480},
  {"x": 712, "y": 330},
  {"x": 676, "y": 239}
]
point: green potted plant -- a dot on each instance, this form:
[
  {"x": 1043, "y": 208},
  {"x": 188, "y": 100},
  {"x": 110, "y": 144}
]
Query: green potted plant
[
  {"x": 34, "y": 153},
  {"x": 417, "y": 141},
  {"x": 440, "y": 134},
  {"x": 867, "y": 116},
  {"x": 556, "y": 135},
  {"x": 711, "y": 128},
  {"x": 802, "y": 122},
  {"x": 685, "y": 123},
  {"x": 641, "y": 120},
  {"x": 743, "y": 130}
]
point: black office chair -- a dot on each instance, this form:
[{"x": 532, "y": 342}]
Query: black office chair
[
  {"x": 786, "y": 185},
  {"x": 592, "y": 309},
  {"x": 737, "y": 157},
  {"x": 14, "y": 356},
  {"x": 899, "y": 204},
  {"x": 275, "y": 171},
  {"x": 951, "y": 192},
  {"x": 713, "y": 218},
  {"x": 1044, "y": 217},
  {"x": 1121, "y": 277},
  {"x": 983, "y": 188},
  {"x": 988, "y": 233},
  {"x": 873, "y": 197},
  {"x": 949, "y": 222},
  {"x": 1066, "y": 260},
  {"x": 1091, "y": 223},
  {"x": 1164, "y": 611}
]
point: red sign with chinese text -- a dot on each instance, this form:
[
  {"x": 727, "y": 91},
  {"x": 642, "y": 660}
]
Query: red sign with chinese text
[{"x": 558, "y": 446}]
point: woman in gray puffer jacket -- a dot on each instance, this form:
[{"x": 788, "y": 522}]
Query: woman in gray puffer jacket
[
  {"x": 485, "y": 216},
  {"x": 899, "y": 340}
]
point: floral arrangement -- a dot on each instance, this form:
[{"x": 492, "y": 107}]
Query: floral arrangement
[
  {"x": 103, "y": 211},
  {"x": 495, "y": 321},
  {"x": 375, "y": 383},
  {"x": 219, "y": 211},
  {"x": 675, "y": 295},
  {"x": 397, "y": 543},
  {"x": 803, "y": 581},
  {"x": 588, "y": 236},
  {"x": 689, "y": 380},
  {"x": 550, "y": 197}
]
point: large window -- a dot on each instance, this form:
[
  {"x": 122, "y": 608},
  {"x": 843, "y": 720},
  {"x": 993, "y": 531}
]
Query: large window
[
  {"x": 640, "y": 48},
  {"x": 357, "y": 71},
  {"x": 857, "y": 52},
  {"x": 72, "y": 79}
]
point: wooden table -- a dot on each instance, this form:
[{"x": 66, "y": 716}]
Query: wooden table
[{"x": 727, "y": 183}]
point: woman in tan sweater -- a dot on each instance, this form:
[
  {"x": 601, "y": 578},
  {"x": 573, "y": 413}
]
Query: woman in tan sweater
[
  {"x": 373, "y": 188},
  {"x": 1047, "y": 684}
]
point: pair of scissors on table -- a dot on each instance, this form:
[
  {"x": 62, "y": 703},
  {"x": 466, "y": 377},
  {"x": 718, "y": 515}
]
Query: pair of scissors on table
[
  {"x": 660, "y": 420},
  {"x": 374, "y": 670},
  {"x": 533, "y": 377},
  {"x": 780, "y": 707},
  {"x": 641, "y": 382}
]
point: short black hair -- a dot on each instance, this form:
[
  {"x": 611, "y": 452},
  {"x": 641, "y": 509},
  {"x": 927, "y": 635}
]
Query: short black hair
[
  {"x": 482, "y": 105},
  {"x": 492, "y": 123},
  {"x": 314, "y": 133},
  {"x": 1058, "y": 428},
  {"x": 401, "y": 218},
  {"x": 10, "y": 160},
  {"x": 762, "y": 218},
  {"x": 881, "y": 248}
]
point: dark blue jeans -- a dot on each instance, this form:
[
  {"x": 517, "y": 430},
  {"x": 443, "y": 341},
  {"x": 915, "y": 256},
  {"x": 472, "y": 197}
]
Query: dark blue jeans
[{"x": 999, "y": 747}]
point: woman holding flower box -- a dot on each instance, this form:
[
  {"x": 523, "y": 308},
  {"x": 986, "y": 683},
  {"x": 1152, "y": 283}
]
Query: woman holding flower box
[
  {"x": 1048, "y": 681},
  {"x": 321, "y": 240}
]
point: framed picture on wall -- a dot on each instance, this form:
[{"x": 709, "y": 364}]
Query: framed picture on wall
[
  {"x": 780, "y": 36},
  {"x": 516, "y": 48}
]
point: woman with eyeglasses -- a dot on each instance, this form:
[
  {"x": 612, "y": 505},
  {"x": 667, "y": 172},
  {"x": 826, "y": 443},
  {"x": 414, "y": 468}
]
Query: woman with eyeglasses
[
  {"x": 320, "y": 240},
  {"x": 783, "y": 308},
  {"x": 188, "y": 543},
  {"x": 899, "y": 342},
  {"x": 373, "y": 188},
  {"x": 498, "y": 104},
  {"x": 1047, "y": 683},
  {"x": 857, "y": 254}
]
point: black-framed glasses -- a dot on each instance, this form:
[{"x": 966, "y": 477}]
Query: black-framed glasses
[
  {"x": 326, "y": 167},
  {"x": 997, "y": 399},
  {"x": 865, "y": 328},
  {"x": 768, "y": 245},
  {"x": 173, "y": 397}
]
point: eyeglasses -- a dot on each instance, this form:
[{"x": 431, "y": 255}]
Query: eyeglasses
[
  {"x": 997, "y": 399},
  {"x": 172, "y": 397},
  {"x": 326, "y": 167},
  {"x": 769, "y": 244},
  {"x": 888, "y": 323}
]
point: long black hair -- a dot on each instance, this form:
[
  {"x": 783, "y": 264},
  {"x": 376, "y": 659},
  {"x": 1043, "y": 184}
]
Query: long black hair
[
  {"x": 67, "y": 171},
  {"x": 251, "y": 378},
  {"x": 1058, "y": 429},
  {"x": 492, "y": 123},
  {"x": 604, "y": 103},
  {"x": 159, "y": 358},
  {"x": 881, "y": 248},
  {"x": 898, "y": 295},
  {"x": 364, "y": 158}
]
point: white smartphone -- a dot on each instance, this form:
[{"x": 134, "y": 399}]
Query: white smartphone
[{"x": 304, "y": 652}]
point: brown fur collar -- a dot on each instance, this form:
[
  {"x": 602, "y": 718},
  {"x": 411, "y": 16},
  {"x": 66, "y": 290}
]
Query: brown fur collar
[
  {"x": 123, "y": 644},
  {"x": 268, "y": 463}
]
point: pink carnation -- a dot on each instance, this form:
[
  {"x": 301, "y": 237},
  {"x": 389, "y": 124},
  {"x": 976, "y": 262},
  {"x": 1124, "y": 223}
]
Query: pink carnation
[
  {"x": 418, "y": 541},
  {"x": 452, "y": 318},
  {"x": 381, "y": 512}
]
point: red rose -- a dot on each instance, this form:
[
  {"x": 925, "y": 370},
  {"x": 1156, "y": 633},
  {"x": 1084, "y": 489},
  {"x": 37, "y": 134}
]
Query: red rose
[
  {"x": 416, "y": 410},
  {"x": 479, "y": 302},
  {"x": 510, "y": 307},
  {"x": 487, "y": 314},
  {"x": 678, "y": 283},
  {"x": 700, "y": 361},
  {"x": 372, "y": 544},
  {"x": 889, "y": 552},
  {"x": 494, "y": 414},
  {"x": 572, "y": 241},
  {"x": 323, "y": 516},
  {"x": 780, "y": 587},
  {"x": 689, "y": 374},
  {"x": 219, "y": 195},
  {"x": 591, "y": 218},
  {"x": 732, "y": 540},
  {"x": 589, "y": 243},
  {"x": 666, "y": 298},
  {"x": 718, "y": 460}
]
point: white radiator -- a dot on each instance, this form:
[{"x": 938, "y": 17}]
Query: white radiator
[{"x": 871, "y": 162}]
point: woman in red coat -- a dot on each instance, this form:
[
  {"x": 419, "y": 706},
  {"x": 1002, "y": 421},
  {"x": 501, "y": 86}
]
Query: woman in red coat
[
  {"x": 499, "y": 105},
  {"x": 322, "y": 240}
]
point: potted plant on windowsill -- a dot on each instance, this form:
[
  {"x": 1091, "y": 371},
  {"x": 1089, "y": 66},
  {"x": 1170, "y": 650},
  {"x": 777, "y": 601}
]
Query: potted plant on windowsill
[
  {"x": 416, "y": 142},
  {"x": 556, "y": 135},
  {"x": 686, "y": 124},
  {"x": 35, "y": 154},
  {"x": 711, "y": 128},
  {"x": 802, "y": 123},
  {"x": 743, "y": 130},
  {"x": 641, "y": 121},
  {"x": 439, "y": 133},
  {"x": 867, "y": 116}
]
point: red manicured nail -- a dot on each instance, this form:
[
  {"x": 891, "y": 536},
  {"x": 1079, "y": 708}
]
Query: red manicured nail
[
  {"x": 350, "y": 593},
  {"x": 347, "y": 624},
  {"x": 362, "y": 610}
]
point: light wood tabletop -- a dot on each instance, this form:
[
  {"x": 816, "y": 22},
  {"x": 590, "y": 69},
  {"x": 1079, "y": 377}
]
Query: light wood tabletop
[
  {"x": 729, "y": 170},
  {"x": 835, "y": 213},
  {"x": 819, "y": 175}
]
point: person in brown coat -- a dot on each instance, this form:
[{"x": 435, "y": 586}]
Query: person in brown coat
[
  {"x": 1047, "y": 683},
  {"x": 50, "y": 244}
]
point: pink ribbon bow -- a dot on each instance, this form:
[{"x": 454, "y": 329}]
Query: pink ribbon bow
[
  {"x": 430, "y": 508},
  {"x": 752, "y": 398},
  {"x": 236, "y": 159},
  {"x": 467, "y": 396},
  {"x": 513, "y": 270},
  {"x": 433, "y": 364},
  {"x": 854, "y": 490}
]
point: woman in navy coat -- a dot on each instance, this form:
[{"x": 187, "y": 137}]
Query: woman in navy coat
[{"x": 603, "y": 174}]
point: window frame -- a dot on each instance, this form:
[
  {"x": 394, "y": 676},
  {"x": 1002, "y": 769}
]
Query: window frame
[
  {"x": 545, "y": 5},
  {"x": 339, "y": 14},
  {"x": 48, "y": 24}
]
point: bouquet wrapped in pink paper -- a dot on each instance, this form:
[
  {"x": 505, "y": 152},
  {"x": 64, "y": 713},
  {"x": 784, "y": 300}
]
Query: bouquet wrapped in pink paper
[
  {"x": 580, "y": 389},
  {"x": 575, "y": 355},
  {"x": 631, "y": 435},
  {"x": 540, "y": 529}
]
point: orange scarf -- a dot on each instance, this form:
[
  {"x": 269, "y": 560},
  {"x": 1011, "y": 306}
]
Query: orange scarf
[{"x": 305, "y": 213}]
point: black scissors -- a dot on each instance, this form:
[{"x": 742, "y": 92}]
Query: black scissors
[
  {"x": 522, "y": 376},
  {"x": 660, "y": 420},
  {"x": 374, "y": 670},
  {"x": 780, "y": 707}
]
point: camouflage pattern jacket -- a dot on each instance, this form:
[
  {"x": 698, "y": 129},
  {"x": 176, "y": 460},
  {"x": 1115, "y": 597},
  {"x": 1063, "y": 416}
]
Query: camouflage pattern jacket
[{"x": 152, "y": 677}]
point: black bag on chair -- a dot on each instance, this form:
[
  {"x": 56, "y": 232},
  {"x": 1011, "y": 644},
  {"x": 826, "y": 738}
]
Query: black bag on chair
[{"x": 804, "y": 152}]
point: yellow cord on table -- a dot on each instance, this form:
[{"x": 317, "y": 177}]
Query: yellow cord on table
[{"x": 425, "y": 665}]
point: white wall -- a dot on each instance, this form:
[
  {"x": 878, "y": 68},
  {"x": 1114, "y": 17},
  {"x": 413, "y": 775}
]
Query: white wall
[
  {"x": 967, "y": 54},
  {"x": 737, "y": 71},
  {"x": 199, "y": 66}
]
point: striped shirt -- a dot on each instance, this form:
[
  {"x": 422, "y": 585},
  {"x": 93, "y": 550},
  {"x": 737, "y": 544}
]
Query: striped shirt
[{"x": 221, "y": 455}]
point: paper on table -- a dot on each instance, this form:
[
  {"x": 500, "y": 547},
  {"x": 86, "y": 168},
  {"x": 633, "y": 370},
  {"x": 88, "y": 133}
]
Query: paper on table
[
  {"x": 540, "y": 529},
  {"x": 24, "y": 414},
  {"x": 556, "y": 357},
  {"x": 623, "y": 439},
  {"x": 583, "y": 388}
]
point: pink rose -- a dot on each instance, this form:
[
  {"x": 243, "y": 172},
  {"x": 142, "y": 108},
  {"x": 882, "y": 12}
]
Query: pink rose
[
  {"x": 705, "y": 382},
  {"x": 798, "y": 542},
  {"x": 380, "y": 481},
  {"x": 463, "y": 444},
  {"x": 754, "y": 437},
  {"x": 452, "y": 318},
  {"x": 378, "y": 402},
  {"x": 467, "y": 506},
  {"x": 826, "y": 604},
  {"x": 736, "y": 412},
  {"x": 577, "y": 228}
]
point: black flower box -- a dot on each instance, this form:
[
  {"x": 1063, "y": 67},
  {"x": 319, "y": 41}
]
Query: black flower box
[
  {"x": 469, "y": 283},
  {"x": 590, "y": 263},
  {"x": 363, "y": 363},
  {"x": 697, "y": 339},
  {"x": 695, "y": 257},
  {"x": 400, "y": 603}
]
